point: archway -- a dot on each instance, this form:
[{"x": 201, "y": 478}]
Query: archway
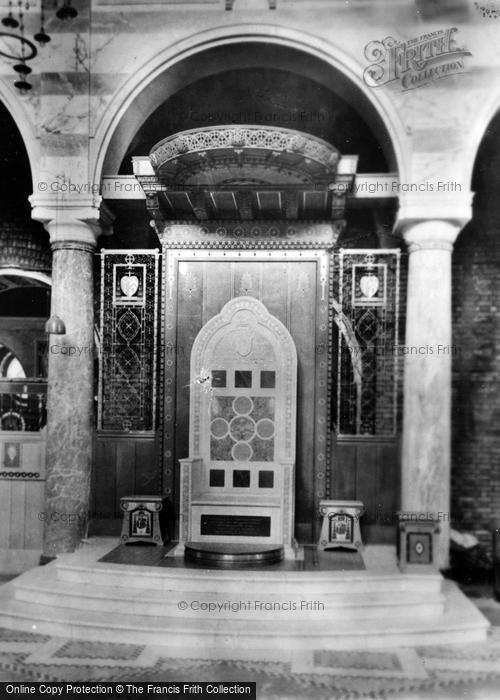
[
  {"x": 10, "y": 366},
  {"x": 352, "y": 125},
  {"x": 24, "y": 308},
  {"x": 242, "y": 46}
]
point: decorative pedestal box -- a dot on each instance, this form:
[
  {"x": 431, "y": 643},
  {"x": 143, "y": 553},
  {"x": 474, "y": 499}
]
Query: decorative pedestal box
[
  {"x": 340, "y": 524},
  {"x": 141, "y": 519},
  {"x": 416, "y": 541}
]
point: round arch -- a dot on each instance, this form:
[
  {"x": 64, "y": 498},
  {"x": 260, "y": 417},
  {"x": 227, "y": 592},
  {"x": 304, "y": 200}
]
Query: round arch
[
  {"x": 206, "y": 53},
  {"x": 28, "y": 274},
  {"x": 477, "y": 132},
  {"x": 39, "y": 278},
  {"x": 487, "y": 121},
  {"x": 10, "y": 364},
  {"x": 16, "y": 107}
]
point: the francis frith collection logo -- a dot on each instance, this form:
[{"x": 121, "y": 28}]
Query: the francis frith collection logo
[
  {"x": 488, "y": 8},
  {"x": 414, "y": 62}
]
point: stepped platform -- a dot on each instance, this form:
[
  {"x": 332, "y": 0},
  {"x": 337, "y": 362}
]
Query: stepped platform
[{"x": 253, "y": 611}]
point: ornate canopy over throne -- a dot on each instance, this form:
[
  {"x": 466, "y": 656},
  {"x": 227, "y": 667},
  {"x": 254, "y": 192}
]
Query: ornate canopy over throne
[{"x": 237, "y": 485}]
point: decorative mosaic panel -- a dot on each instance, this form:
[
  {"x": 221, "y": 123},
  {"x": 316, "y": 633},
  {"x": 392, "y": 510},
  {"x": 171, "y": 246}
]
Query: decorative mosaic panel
[
  {"x": 366, "y": 326},
  {"x": 128, "y": 330},
  {"x": 242, "y": 428}
]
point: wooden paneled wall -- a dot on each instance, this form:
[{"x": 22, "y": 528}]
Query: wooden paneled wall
[
  {"x": 368, "y": 470},
  {"x": 22, "y": 499},
  {"x": 21, "y": 522},
  {"x": 363, "y": 469},
  {"x": 124, "y": 464}
]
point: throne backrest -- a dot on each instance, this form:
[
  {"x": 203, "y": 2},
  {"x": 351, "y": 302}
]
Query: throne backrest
[{"x": 243, "y": 387}]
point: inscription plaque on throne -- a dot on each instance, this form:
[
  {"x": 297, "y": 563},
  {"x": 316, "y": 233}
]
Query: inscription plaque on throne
[{"x": 237, "y": 485}]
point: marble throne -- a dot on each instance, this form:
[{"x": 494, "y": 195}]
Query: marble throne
[{"x": 237, "y": 484}]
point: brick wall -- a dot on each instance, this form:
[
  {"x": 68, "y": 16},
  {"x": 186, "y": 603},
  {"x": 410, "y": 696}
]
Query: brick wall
[
  {"x": 476, "y": 377},
  {"x": 24, "y": 244}
]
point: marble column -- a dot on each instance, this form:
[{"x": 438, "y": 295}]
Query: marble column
[
  {"x": 427, "y": 377},
  {"x": 70, "y": 411}
]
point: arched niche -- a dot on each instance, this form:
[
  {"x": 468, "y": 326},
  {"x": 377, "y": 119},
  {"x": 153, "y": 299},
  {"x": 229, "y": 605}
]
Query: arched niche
[{"x": 243, "y": 47}]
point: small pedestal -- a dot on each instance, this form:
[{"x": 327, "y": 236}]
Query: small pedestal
[
  {"x": 141, "y": 519},
  {"x": 340, "y": 524},
  {"x": 416, "y": 542}
]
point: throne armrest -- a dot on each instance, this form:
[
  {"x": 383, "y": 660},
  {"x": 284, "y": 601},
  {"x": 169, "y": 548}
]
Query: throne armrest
[
  {"x": 190, "y": 461},
  {"x": 190, "y": 469}
]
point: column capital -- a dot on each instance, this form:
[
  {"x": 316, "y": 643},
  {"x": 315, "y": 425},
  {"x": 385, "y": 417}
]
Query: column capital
[
  {"x": 72, "y": 223},
  {"x": 434, "y": 234},
  {"x": 453, "y": 207}
]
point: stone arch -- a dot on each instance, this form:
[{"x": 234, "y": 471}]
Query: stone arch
[
  {"x": 24, "y": 123},
  {"x": 21, "y": 333},
  {"x": 206, "y": 53},
  {"x": 8, "y": 356},
  {"x": 484, "y": 165},
  {"x": 479, "y": 130},
  {"x": 28, "y": 274}
]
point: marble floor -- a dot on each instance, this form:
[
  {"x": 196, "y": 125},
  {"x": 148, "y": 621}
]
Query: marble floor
[{"x": 312, "y": 559}]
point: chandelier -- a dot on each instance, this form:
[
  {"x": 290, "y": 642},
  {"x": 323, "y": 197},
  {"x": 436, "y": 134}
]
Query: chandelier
[{"x": 16, "y": 46}]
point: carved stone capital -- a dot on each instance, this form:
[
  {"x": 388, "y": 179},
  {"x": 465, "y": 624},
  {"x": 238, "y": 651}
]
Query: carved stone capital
[
  {"x": 452, "y": 207},
  {"x": 431, "y": 235},
  {"x": 75, "y": 223}
]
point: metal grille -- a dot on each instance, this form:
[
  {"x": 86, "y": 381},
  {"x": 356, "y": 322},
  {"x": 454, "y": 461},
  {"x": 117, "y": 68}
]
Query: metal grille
[
  {"x": 366, "y": 314},
  {"x": 128, "y": 332}
]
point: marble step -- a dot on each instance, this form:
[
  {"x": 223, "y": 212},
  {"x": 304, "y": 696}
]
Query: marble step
[
  {"x": 460, "y": 622},
  {"x": 50, "y": 591},
  {"x": 315, "y": 583}
]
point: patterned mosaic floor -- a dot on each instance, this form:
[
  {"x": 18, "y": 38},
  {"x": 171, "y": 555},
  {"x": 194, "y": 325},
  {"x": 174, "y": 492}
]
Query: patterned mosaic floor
[{"x": 461, "y": 672}]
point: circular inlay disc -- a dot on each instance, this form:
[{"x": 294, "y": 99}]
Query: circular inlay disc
[
  {"x": 219, "y": 428},
  {"x": 242, "y": 405},
  {"x": 265, "y": 429},
  {"x": 241, "y": 452}
]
